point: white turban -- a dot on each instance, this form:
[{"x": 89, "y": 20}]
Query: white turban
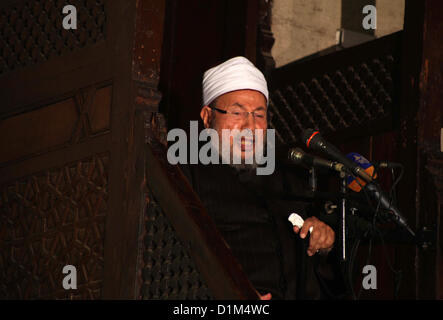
[{"x": 234, "y": 74}]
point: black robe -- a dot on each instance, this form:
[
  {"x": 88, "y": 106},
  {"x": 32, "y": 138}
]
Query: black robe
[{"x": 252, "y": 213}]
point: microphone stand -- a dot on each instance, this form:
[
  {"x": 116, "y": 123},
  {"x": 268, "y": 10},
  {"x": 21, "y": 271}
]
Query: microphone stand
[
  {"x": 343, "y": 189},
  {"x": 313, "y": 179}
]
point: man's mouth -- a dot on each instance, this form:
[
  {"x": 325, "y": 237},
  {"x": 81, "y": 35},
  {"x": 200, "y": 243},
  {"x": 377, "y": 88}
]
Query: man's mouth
[{"x": 247, "y": 145}]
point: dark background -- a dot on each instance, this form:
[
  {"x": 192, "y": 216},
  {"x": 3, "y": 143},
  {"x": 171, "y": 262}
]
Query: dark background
[{"x": 78, "y": 185}]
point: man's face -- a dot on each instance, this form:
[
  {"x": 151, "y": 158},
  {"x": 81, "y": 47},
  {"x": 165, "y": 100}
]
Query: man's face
[{"x": 237, "y": 103}]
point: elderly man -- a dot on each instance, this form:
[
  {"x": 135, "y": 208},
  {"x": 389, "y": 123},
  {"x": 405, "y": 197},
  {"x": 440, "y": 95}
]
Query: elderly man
[{"x": 249, "y": 209}]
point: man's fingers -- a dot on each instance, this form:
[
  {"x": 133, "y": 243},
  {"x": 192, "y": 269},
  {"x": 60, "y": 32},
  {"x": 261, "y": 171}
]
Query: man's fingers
[
  {"x": 322, "y": 239},
  {"x": 305, "y": 229},
  {"x": 322, "y": 236},
  {"x": 314, "y": 242},
  {"x": 267, "y": 296}
]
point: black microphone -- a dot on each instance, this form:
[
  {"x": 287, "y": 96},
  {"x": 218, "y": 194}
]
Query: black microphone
[
  {"x": 298, "y": 156},
  {"x": 376, "y": 193},
  {"x": 314, "y": 140},
  {"x": 379, "y": 195},
  {"x": 388, "y": 164}
]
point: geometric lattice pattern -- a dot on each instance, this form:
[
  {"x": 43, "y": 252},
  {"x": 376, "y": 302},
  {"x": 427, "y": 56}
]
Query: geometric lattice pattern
[
  {"x": 169, "y": 272},
  {"x": 32, "y": 31},
  {"x": 333, "y": 101},
  {"x": 50, "y": 220}
]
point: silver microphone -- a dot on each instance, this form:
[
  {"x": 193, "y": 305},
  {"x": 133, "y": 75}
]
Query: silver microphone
[{"x": 298, "y": 156}]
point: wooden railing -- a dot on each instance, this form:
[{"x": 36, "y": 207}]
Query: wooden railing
[{"x": 197, "y": 235}]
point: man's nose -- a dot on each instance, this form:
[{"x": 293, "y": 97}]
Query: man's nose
[{"x": 248, "y": 121}]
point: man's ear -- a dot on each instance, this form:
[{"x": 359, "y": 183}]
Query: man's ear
[{"x": 206, "y": 114}]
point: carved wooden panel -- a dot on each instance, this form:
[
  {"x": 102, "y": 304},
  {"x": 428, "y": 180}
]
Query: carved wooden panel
[
  {"x": 31, "y": 31},
  {"x": 52, "y": 219},
  {"x": 38, "y": 130},
  {"x": 265, "y": 37},
  {"x": 56, "y": 125},
  {"x": 72, "y": 118},
  {"x": 336, "y": 92},
  {"x": 169, "y": 271},
  {"x": 99, "y": 114}
]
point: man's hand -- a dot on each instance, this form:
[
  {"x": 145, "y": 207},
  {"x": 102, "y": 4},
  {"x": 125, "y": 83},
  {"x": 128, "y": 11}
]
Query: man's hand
[
  {"x": 322, "y": 236},
  {"x": 267, "y": 296}
]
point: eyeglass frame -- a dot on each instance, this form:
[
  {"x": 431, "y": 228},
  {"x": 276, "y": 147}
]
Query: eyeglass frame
[{"x": 267, "y": 117}]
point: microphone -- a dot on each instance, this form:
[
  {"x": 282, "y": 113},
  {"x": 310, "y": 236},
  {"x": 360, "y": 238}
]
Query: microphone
[
  {"x": 388, "y": 164},
  {"x": 298, "y": 156},
  {"x": 314, "y": 140},
  {"x": 355, "y": 184},
  {"x": 379, "y": 195},
  {"x": 374, "y": 190}
]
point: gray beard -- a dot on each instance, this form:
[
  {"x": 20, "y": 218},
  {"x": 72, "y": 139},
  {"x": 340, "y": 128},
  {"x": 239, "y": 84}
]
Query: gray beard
[
  {"x": 243, "y": 166},
  {"x": 240, "y": 166}
]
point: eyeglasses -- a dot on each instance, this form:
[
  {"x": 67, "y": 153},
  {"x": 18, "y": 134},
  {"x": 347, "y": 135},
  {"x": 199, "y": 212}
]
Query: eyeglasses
[{"x": 258, "y": 115}]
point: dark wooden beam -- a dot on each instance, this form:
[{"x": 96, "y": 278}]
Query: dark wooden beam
[
  {"x": 137, "y": 45},
  {"x": 410, "y": 70},
  {"x": 429, "y": 153}
]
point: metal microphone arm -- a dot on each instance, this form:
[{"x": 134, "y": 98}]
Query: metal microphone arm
[{"x": 298, "y": 156}]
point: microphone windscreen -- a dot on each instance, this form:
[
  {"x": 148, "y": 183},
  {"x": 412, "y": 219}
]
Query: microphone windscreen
[
  {"x": 357, "y": 184},
  {"x": 306, "y": 135}
]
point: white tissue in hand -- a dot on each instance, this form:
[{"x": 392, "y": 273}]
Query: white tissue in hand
[{"x": 298, "y": 221}]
